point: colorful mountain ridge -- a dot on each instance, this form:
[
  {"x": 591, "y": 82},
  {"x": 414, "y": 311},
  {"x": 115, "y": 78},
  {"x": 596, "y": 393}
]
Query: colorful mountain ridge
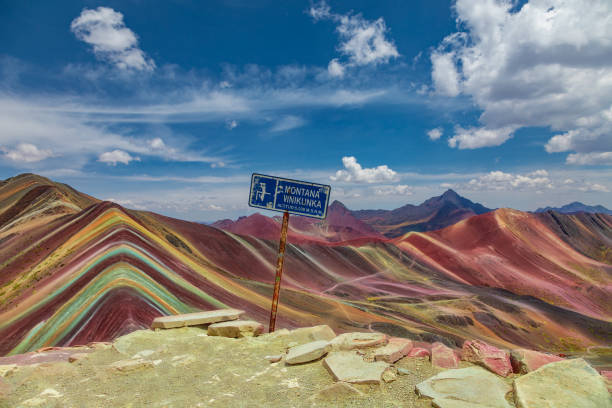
[{"x": 74, "y": 270}]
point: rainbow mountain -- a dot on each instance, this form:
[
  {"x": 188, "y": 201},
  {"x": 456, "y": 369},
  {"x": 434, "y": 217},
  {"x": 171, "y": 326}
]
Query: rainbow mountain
[{"x": 74, "y": 269}]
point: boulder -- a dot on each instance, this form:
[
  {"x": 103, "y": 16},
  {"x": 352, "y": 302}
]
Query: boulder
[
  {"x": 307, "y": 352},
  {"x": 357, "y": 340},
  {"x": 525, "y": 361},
  {"x": 237, "y": 328},
  {"x": 472, "y": 387},
  {"x": 394, "y": 350},
  {"x": 194, "y": 319},
  {"x": 349, "y": 367},
  {"x": 443, "y": 356},
  {"x": 129, "y": 365},
  {"x": 567, "y": 383},
  {"x": 488, "y": 356},
  {"x": 338, "y": 391},
  {"x": 418, "y": 352}
]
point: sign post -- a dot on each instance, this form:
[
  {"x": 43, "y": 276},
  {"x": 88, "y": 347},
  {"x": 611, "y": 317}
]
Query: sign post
[
  {"x": 279, "y": 271},
  {"x": 288, "y": 196}
]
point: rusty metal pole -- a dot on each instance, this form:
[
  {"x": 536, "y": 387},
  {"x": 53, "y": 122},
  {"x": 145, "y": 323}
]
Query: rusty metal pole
[{"x": 279, "y": 270}]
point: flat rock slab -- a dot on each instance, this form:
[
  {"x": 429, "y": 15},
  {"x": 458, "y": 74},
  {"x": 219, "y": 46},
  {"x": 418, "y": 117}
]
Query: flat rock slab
[
  {"x": 525, "y": 361},
  {"x": 357, "y": 340},
  {"x": 349, "y": 367},
  {"x": 307, "y": 352},
  {"x": 394, "y": 350},
  {"x": 443, "y": 356},
  {"x": 235, "y": 329},
  {"x": 304, "y": 335},
  {"x": 488, "y": 356},
  {"x": 562, "y": 384},
  {"x": 466, "y": 388},
  {"x": 194, "y": 319}
]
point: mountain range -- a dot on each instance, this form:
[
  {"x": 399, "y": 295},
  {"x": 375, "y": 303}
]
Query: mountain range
[
  {"x": 74, "y": 269},
  {"x": 576, "y": 207},
  {"x": 343, "y": 224}
]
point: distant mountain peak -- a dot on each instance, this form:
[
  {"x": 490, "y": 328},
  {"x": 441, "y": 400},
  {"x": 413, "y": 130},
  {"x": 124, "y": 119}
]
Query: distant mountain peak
[
  {"x": 576, "y": 207},
  {"x": 450, "y": 193}
]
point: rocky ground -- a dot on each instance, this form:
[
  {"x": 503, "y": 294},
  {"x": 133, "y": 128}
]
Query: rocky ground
[{"x": 187, "y": 367}]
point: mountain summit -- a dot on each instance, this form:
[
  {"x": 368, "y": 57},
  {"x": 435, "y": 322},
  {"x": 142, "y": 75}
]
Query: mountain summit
[{"x": 434, "y": 213}]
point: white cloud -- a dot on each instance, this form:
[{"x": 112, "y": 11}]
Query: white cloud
[
  {"x": 593, "y": 187},
  {"x": 320, "y": 11},
  {"x": 500, "y": 181},
  {"x": 213, "y": 207},
  {"x": 435, "y": 134},
  {"x": 355, "y": 173},
  {"x": 157, "y": 143},
  {"x": 547, "y": 63},
  {"x": 26, "y": 152},
  {"x": 362, "y": 42},
  {"x": 231, "y": 124},
  {"x": 594, "y": 158},
  {"x": 217, "y": 165},
  {"x": 288, "y": 122},
  {"x": 474, "y": 138},
  {"x": 335, "y": 68},
  {"x": 104, "y": 29},
  {"x": 117, "y": 156},
  {"x": 400, "y": 189},
  {"x": 444, "y": 74}
]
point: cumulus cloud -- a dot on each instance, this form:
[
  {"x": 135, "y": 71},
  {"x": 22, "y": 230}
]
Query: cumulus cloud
[
  {"x": 435, "y": 134},
  {"x": 473, "y": 138},
  {"x": 595, "y": 158},
  {"x": 335, "y": 68},
  {"x": 400, "y": 189},
  {"x": 104, "y": 29},
  {"x": 354, "y": 173},
  {"x": 444, "y": 74},
  {"x": 500, "y": 181},
  {"x": 26, "y": 152},
  {"x": 362, "y": 42},
  {"x": 546, "y": 64},
  {"x": 117, "y": 156}
]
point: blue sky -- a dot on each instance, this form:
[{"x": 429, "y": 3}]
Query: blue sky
[{"x": 171, "y": 105}]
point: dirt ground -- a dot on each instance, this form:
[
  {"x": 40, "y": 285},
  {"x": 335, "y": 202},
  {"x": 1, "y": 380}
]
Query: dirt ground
[{"x": 190, "y": 369}]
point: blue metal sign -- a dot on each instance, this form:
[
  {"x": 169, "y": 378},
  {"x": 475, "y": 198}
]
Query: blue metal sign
[{"x": 293, "y": 196}]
